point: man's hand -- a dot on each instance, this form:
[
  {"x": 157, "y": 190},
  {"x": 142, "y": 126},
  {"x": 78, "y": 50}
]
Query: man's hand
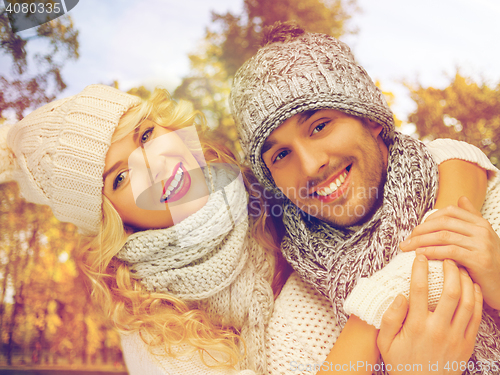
[
  {"x": 462, "y": 234},
  {"x": 428, "y": 341}
]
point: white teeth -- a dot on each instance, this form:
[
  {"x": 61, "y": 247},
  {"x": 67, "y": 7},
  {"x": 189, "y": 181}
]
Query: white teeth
[
  {"x": 333, "y": 186},
  {"x": 173, "y": 184},
  {"x": 328, "y": 190}
]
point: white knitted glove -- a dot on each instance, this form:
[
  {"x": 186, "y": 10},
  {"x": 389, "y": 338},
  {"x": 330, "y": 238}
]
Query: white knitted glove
[{"x": 372, "y": 295}]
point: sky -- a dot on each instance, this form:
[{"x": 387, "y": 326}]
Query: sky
[{"x": 147, "y": 42}]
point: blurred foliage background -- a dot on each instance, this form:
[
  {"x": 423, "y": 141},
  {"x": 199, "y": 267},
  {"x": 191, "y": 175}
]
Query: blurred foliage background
[{"x": 46, "y": 314}]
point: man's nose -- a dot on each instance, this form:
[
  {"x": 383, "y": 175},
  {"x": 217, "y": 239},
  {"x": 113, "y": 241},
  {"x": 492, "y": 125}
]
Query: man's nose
[{"x": 312, "y": 160}]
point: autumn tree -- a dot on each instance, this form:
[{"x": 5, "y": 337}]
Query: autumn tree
[
  {"x": 233, "y": 38},
  {"x": 466, "y": 110},
  {"x": 49, "y": 313},
  {"x": 34, "y": 78},
  {"x": 29, "y": 257}
]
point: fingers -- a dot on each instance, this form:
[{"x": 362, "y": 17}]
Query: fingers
[
  {"x": 451, "y": 293},
  {"x": 473, "y": 326},
  {"x": 443, "y": 223},
  {"x": 418, "y": 290},
  {"x": 392, "y": 321},
  {"x": 441, "y": 237},
  {"x": 458, "y": 254},
  {"x": 457, "y": 212},
  {"x": 469, "y": 215},
  {"x": 466, "y": 306}
]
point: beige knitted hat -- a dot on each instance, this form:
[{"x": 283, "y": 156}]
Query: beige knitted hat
[{"x": 56, "y": 153}]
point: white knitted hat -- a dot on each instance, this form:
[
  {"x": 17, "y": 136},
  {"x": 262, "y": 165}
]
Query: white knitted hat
[{"x": 57, "y": 153}]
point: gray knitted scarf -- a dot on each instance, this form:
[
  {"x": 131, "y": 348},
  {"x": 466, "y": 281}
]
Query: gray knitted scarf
[
  {"x": 333, "y": 259},
  {"x": 209, "y": 258}
]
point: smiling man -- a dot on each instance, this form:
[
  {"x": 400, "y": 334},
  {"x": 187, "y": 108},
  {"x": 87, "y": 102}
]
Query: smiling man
[
  {"x": 330, "y": 164},
  {"x": 309, "y": 117},
  {"x": 319, "y": 133}
]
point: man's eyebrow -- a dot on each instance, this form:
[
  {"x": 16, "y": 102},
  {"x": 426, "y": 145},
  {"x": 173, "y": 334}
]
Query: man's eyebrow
[
  {"x": 303, "y": 116},
  {"x": 268, "y": 144},
  {"x": 306, "y": 115}
]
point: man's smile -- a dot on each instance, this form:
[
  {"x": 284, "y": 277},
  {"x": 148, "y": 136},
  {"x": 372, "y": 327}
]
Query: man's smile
[{"x": 331, "y": 185}]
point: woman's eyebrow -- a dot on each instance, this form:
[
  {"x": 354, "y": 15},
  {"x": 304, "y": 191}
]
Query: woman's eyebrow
[
  {"x": 110, "y": 170},
  {"x": 137, "y": 131}
]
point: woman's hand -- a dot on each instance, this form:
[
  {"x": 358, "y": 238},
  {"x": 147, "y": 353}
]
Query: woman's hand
[
  {"x": 462, "y": 234},
  {"x": 432, "y": 342}
]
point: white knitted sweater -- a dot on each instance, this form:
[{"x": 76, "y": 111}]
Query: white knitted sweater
[{"x": 302, "y": 329}]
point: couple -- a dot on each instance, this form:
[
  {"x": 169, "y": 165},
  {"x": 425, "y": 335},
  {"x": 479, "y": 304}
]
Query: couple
[{"x": 186, "y": 269}]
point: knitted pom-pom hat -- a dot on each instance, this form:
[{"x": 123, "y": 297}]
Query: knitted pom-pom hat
[
  {"x": 293, "y": 73},
  {"x": 57, "y": 153}
]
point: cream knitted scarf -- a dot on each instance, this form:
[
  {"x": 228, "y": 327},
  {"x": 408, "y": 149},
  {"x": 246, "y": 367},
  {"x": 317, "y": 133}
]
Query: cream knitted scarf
[
  {"x": 211, "y": 259},
  {"x": 333, "y": 259}
]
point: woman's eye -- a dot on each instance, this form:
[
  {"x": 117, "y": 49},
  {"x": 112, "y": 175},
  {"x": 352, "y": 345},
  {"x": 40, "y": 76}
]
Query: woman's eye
[
  {"x": 119, "y": 179},
  {"x": 319, "y": 128},
  {"x": 281, "y": 155},
  {"x": 146, "y": 135}
]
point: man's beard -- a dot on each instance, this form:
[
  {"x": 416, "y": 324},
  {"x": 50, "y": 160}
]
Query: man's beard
[{"x": 376, "y": 176}]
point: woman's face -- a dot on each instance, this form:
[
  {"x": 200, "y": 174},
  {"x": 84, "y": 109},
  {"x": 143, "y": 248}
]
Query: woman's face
[{"x": 152, "y": 178}]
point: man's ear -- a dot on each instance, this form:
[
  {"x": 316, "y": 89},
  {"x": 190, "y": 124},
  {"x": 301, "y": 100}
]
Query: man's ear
[{"x": 374, "y": 127}]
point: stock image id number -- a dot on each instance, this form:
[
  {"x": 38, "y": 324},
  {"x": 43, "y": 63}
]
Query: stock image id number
[
  {"x": 33, "y": 7},
  {"x": 26, "y": 14},
  {"x": 472, "y": 366}
]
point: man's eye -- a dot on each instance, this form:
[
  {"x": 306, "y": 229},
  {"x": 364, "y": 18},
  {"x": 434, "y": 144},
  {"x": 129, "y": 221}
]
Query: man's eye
[
  {"x": 319, "y": 128},
  {"x": 119, "y": 179},
  {"x": 146, "y": 135},
  {"x": 281, "y": 155}
]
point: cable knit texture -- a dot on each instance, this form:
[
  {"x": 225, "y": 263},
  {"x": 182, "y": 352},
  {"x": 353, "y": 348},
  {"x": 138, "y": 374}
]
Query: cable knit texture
[
  {"x": 60, "y": 151},
  {"x": 226, "y": 273},
  {"x": 313, "y": 71}
]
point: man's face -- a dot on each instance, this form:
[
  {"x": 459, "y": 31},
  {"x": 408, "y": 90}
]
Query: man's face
[{"x": 331, "y": 165}]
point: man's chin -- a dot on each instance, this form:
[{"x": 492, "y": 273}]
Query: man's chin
[
  {"x": 343, "y": 222},
  {"x": 352, "y": 215}
]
